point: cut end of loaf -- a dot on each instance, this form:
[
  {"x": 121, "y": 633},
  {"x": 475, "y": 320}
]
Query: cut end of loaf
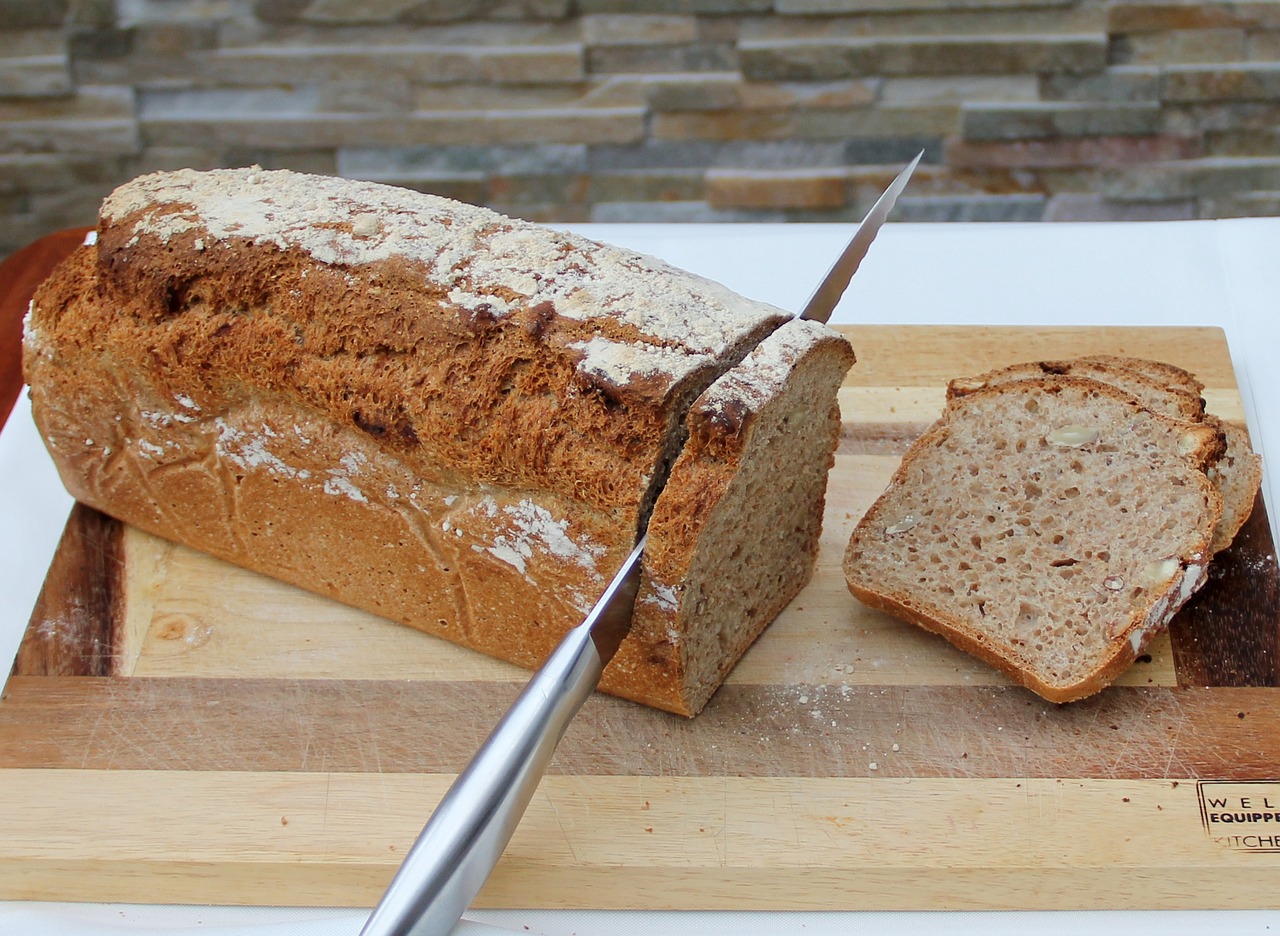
[
  {"x": 734, "y": 535},
  {"x": 1050, "y": 526}
]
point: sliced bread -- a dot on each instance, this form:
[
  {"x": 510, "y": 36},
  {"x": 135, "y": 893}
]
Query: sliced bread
[
  {"x": 1167, "y": 389},
  {"x": 1050, "y": 526}
]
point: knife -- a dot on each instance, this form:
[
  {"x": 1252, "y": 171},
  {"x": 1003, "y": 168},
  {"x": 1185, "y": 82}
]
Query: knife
[
  {"x": 827, "y": 296},
  {"x": 466, "y": 834}
]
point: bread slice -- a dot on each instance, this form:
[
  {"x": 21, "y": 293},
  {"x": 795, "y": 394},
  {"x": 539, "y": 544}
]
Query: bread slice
[
  {"x": 454, "y": 419},
  {"x": 1165, "y": 389},
  {"x": 1051, "y": 526},
  {"x": 1151, "y": 393},
  {"x": 1238, "y": 476}
]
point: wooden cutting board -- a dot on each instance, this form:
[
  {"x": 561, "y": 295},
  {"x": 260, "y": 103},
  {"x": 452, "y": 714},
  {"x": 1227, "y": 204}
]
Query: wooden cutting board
[{"x": 178, "y": 730}]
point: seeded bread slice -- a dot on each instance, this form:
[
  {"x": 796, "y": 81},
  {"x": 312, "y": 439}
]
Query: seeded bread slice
[
  {"x": 734, "y": 535},
  {"x": 1050, "y": 526},
  {"x": 1151, "y": 393},
  {"x": 1165, "y": 389}
]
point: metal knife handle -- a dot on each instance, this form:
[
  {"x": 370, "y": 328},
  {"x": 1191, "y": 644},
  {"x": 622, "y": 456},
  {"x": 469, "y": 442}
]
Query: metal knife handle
[{"x": 465, "y": 836}]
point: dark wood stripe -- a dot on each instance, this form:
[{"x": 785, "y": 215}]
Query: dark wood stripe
[
  {"x": 75, "y": 623},
  {"x": 747, "y": 731},
  {"x": 1229, "y": 633},
  {"x": 20, "y": 274}
]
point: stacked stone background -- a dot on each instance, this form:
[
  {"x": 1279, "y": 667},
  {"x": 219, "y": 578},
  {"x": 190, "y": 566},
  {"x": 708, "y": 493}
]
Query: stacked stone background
[{"x": 671, "y": 110}]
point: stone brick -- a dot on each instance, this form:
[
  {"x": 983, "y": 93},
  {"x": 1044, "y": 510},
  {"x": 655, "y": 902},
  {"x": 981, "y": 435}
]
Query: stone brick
[
  {"x": 680, "y": 212},
  {"x": 1247, "y": 81},
  {"x": 98, "y": 120},
  {"x": 173, "y": 39},
  {"x": 557, "y": 214},
  {"x": 319, "y": 161},
  {"x": 1048, "y": 120},
  {"x": 472, "y": 188},
  {"x": 440, "y": 161},
  {"x": 36, "y": 172},
  {"x": 893, "y": 150},
  {"x": 1263, "y": 46},
  {"x": 1059, "y": 20},
  {"x": 603, "y": 29},
  {"x": 89, "y": 47},
  {"x": 696, "y": 92},
  {"x": 1180, "y": 47},
  {"x": 1080, "y": 207},
  {"x": 689, "y": 57},
  {"x": 639, "y": 185},
  {"x": 99, "y": 14},
  {"x": 1220, "y": 116},
  {"x": 34, "y": 63},
  {"x": 1210, "y": 176},
  {"x": 693, "y": 154},
  {"x": 1257, "y": 142},
  {"x": 795, "y": 188},
  {"x": 479, "y": 96},
  {"x": 811, "y": 60},
  {"x": 438, "y": 11},
  {"x": 1098, "y": 151},
  {"x": 135, "y": 12},
  {"x": 33, "y": 14},
  {"x": 601, "y": 125},
  {"x": 499, "y": 65},
  {"x": 955, "y": 89},
  {"x": 279, "y": 11},
  {"x": 1116, "y": 84},
  {"x": 674, "y": 6},
  {"x": 1240, "y": 205},
  {"x": 1028, "y": 207},
  {"x": 878, "y": 122},
  {"x": 832, "y": 7},
  {"x": 1127, "y": 16},
  {"x": 724, "y": 125},
  {"x": 384, "y": 97},
  {"x": 828, "y": 95},
  {"x": 355, "y": 11}
]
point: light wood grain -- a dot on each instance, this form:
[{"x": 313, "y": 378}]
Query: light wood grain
[{"x": 242, "y": 741}]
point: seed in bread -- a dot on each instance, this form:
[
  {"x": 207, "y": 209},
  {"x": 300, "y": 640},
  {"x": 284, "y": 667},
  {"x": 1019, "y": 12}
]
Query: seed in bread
[{"x": 1166, "y": 389}]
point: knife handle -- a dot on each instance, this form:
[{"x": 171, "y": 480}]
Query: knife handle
[{"x": 465, "y": 836}]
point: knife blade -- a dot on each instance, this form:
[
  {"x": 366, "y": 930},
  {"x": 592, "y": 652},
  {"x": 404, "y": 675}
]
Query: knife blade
[
  {"x": 466, "y": 834},
  {"x": 827, "y": 296}
]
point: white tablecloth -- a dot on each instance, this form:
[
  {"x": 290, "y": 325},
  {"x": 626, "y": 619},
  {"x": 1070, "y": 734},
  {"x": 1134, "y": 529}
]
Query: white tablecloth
[{"x": 1223, "y": 273}]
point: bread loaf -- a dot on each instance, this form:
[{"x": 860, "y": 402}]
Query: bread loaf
[
  {"x": 451, "y": 418},
  {"x": 1049, "y": 525}
]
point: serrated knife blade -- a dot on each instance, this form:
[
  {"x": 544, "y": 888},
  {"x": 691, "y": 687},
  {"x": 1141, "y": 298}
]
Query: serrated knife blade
[{"x": 827, "y": 296}]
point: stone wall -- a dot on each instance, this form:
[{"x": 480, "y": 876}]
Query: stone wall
[{"x": 673, "y": 110}]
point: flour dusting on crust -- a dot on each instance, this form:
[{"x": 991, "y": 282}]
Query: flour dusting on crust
[{"x": 352, "y": 223}]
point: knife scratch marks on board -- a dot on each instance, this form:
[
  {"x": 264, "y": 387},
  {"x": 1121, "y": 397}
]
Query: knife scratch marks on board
[
  {"x": 564, "y": 832},
  {"x": 90, "y": 744}
]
